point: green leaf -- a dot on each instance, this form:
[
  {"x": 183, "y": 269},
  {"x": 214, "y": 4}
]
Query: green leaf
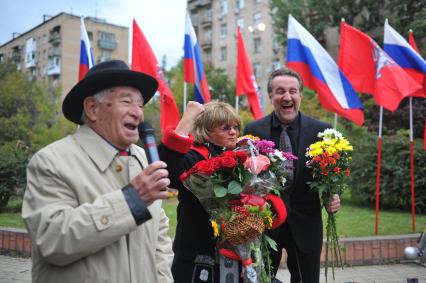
[
  {"x": 271, "y": 243},
  {"x": 234, "y": 188},
  {"x": 219, "y": 191}
]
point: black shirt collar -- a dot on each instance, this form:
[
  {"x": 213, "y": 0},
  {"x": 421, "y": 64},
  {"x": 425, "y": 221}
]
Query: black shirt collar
[{"x": 277, "y": 123}]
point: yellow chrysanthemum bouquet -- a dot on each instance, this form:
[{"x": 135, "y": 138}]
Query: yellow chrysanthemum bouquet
[{"x": 329, "y": 160}]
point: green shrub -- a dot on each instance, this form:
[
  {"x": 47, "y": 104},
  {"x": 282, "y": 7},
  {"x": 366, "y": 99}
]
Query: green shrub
[
  {"x": 395, "y": 184},
  {"x": 13, "y": 161}
]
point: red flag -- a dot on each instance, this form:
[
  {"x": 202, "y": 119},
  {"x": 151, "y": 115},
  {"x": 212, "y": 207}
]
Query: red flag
[
  {"x": 412, "y": 42},
  {"x": 417, "y": 76},
  {"x": 371, "y": 70},
  {"x": 143, "y": 60},
  {"x": 246, "y": 81}
]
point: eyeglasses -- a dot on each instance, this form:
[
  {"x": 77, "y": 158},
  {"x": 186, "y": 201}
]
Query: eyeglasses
[{"x": 227, "y": 128}]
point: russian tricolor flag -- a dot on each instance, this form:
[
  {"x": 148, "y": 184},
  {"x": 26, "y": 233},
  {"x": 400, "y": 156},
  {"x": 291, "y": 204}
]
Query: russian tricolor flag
[
  {"x": 320, "y": 73},
  {"x": 405, "y": 56},
  {"x": 193, "y": 66},
  {"x": 86, "y": 52}
]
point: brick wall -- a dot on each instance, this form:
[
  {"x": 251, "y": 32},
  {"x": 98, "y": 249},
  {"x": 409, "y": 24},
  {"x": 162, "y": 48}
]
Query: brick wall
[
  {"x": 375, "y": 250},
  {"x": 14, "y": 242},
  {"x": 371, "y": 250},
  {"x": 355, "y": 251}
]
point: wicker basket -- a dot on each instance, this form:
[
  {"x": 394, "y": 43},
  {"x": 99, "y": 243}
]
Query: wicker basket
[{"x": 243, "y": 230}]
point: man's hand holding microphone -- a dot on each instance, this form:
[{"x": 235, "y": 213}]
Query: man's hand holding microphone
[{"x": 152, "y": 182}]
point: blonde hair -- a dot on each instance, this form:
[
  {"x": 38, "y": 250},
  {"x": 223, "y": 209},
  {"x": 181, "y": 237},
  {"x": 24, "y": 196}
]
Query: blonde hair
[{"x": 215, "y": 114}]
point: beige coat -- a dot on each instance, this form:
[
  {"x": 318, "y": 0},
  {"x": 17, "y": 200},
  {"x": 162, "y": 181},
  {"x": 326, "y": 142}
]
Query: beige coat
[{"x": 81, "y": 227}]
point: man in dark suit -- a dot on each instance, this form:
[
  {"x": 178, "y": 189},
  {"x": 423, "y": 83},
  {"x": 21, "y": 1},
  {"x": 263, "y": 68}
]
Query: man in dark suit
[{"x": 301, "y": 234}]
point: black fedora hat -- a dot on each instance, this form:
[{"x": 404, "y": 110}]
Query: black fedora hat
[{"x": 103, "y": 76}]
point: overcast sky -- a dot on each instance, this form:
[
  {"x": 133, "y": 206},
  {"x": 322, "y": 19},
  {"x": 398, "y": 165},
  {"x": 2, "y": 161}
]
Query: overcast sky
[{"x": 162, "y": 21}]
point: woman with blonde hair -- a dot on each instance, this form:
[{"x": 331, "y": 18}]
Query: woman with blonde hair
[{"x": 204, "y": 131}]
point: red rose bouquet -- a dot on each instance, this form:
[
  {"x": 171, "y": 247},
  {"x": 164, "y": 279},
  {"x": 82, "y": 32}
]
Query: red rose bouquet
[
  {"x": 239, "y": 189},
  {"x": 329, "y": 160}
]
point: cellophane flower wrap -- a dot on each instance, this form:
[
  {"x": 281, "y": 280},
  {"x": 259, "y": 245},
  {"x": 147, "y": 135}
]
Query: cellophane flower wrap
[
  {"x": 239, "y": 189},
  {"x": 329, "y": 159}
]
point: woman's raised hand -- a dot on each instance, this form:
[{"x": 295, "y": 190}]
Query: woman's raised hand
[{"x": 185, "y": 125}]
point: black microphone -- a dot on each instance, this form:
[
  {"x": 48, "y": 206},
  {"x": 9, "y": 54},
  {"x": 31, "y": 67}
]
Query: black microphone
[{"x": 146, "y": 134}]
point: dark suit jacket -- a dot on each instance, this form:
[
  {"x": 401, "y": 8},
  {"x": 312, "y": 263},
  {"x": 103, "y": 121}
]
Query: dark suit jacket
[{"x": 303, "y": 204}]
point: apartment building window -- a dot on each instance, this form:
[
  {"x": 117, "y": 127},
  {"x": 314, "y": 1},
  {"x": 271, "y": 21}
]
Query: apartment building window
[
  {"x": 106, "y": 36},
  {"x": 90, "y": 35},
  {"x": 105, "y": 56},
  {"x": 257, "y": 70},
  {"x": 240, "y": 4},
  {"x": 223, "y": 30},
  {"x": 208, "y": 35},
  {"x": 276, "y": 64},
  {"x": 257, "y": 19},
  {"x": 223, "y": 7},
  {"x": 257, "y": 43},
  {"x": 209, "y": 13},
  {"x": 240, "y": 23},
  {"x": 257, "y": 1},
  {"x": 276, "y": 44},
  {"x": 30, "y": 52},
  {"x": 223, "y": 53},
  {"x": 194, "y": 19},
  {"x": 107, "y": 40},
  {"x": 208, "y": 56}
]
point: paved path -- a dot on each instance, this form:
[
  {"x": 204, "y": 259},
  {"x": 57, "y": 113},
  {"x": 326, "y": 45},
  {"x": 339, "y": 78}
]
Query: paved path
[
  {"x": 15, "y": 270},
  {"x": 18, "y": 270},
  {"x": 395, "y": 273}
]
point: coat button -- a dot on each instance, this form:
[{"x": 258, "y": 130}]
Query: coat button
[
  {"x": 104, "y": 220},
  {"x": 118, "y": 168}
]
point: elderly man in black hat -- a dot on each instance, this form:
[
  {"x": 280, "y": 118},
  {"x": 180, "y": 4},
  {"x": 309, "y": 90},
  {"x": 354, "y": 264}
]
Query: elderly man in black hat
[{"x": 93, "y": 205}]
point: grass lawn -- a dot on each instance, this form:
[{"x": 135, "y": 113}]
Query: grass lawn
[{"x": 352, "y": 220}]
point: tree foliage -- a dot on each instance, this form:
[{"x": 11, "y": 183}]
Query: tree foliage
[
  {"x": 29, "y": 119},
  {"x": 367, "y": 15},
  {"x": 395, "y": 172}
]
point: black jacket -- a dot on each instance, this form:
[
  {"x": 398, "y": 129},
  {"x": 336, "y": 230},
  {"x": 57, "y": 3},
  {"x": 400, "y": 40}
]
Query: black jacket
[
  {"x": 303, "y": 204},
  {"x": 194, "y": 233}
]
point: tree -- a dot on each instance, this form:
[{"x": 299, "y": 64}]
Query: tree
[
  {"x": 367, "y": 15},
  {"x": 29, "y": 119},
  {"x": 221, "y": 87}
]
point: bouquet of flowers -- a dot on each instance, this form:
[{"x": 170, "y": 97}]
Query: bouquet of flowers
[
  {"x": 239, "y": 189},
  {"x": 329, "y": 160}
]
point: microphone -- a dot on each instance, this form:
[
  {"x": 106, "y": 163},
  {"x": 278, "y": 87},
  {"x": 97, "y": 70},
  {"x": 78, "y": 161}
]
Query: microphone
[{"x": 146, "y": 134}]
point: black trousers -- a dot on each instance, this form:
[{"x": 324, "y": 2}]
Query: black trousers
[{"x": 303, "y": 267}]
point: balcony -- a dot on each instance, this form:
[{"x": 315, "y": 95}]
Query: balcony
[
  {"x": 107, "y": 44},
  {"x": 206, "y": 21},
  {"x": 54, "y": 52},
  {"x": 54, "y": 67},
  {"x": 199, "y": 3},
  {"x": 55, "y": 38},
  {"x": 206, "y": 43},
  {"x": 16, "y": 57},
  {"x": 30, "y": 59}
]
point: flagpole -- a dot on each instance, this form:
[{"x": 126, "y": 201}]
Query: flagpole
[
  {"x": 184, "y": 96},
  {"x": 413, "y": 194},
  {"x": 236, "y": 103},
  {"x": 335, "y": 120},
  {"x": 413, "y": 203},
  {"x": 379, "y": 156}
]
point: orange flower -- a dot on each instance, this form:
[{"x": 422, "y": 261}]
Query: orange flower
[
  {"x": 347, "y": 172},
  {"x": 336, "y": 155},
  {"x": 336, "y": 170}
]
